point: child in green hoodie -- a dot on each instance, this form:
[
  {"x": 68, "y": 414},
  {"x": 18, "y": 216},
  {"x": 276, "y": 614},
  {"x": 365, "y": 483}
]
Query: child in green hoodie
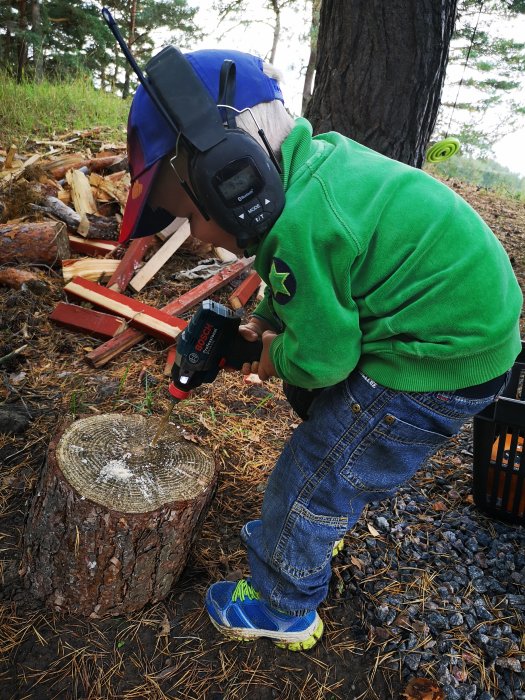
[{"x": 391, "y": 315}]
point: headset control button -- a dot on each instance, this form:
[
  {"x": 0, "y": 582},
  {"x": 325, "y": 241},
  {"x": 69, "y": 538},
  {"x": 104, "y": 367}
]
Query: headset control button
[
  {"x": 254, "y": 209},
  {"x": 260, "y": 218},
  {"x": 267, "y": 204}
]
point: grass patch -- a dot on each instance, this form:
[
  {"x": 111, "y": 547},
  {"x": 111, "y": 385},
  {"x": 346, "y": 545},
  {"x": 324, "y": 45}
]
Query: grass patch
[{"x": 41, "y": 110}]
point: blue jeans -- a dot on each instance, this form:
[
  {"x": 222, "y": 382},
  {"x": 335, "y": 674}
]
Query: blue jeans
[{"x": 361, "y": 442}]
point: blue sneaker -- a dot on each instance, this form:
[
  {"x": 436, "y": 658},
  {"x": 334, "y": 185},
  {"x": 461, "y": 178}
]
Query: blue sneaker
[
  {"x": 236, "y": 610},
  {"x": 247, "y": 530}
]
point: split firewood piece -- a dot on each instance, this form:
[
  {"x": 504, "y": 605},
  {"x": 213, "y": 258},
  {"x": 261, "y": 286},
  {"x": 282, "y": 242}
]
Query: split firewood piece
[
  {"x": 92, "y": 246},
  {"x": 44, "y": 242},
  {"x": 111, "y": 348},
  {"x": 110, "y": 190},
  {"x": 10, "y": 157},
  {"x": 81, "y": 192},
  {"x": 144, "y": 317},
  {"x": 245, "y": 290},
  {"x": 17, "y": 169},
  {"x": 111, "y": 525},
  {"x": 224, "y": 255},
  {"x": 131, "y": 262},
  {"x": 95, "y": 323},
  {"x": 154, "y": 264},
  {"x": 170, "y": 360},
  {"x": 260, "y": 291},
  {"x": 89, "y": 268},
  {"x": 66, "y": 214},
  {"x": 170, "y": 228},
  {"x": 16, "y": 279}
]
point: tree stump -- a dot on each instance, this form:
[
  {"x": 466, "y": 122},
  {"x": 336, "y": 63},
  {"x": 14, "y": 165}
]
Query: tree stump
[{"x": 113, "y": 519}]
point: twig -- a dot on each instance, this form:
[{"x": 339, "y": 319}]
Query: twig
[{"x": 10, "y": 355}]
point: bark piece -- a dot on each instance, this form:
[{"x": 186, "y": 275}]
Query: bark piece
[
  {"x": 95, "y": 323},
  {"x": 44, "y": 242},
  {"x": 15, "y": 278},
  {"x": 153, "y": 265},
  {"x": 110, "y": 349},
  {"x": 112, "y": 523},
  {"x": 146, "y": 318},
  {"x": 245, "y": 290}
]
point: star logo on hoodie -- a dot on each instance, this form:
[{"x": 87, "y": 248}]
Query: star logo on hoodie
[{"x": 282, "y": 281}]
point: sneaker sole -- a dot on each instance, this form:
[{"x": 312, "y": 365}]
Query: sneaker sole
[{"x": 293, "y": 641}]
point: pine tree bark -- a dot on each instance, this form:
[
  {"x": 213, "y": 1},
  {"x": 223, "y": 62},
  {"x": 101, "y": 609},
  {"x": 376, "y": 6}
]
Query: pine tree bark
[
  {"x": 380, "y": 71},
  {"x": 113, "y": 519},
  {"x": 45, "y": 243}
]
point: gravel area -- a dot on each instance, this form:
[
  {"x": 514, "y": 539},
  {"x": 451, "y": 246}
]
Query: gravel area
[{"x": 440, "y": 585}]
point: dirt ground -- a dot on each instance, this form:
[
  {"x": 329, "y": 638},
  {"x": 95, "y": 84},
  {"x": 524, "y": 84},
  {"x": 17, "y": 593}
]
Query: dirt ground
[{"x": 170, "y": 650}]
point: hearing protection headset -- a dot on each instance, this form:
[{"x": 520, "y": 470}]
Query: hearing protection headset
[{"x": 232, "y": 179}]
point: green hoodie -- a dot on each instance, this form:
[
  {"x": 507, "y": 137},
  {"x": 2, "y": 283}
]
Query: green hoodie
[{"x": 376, "y": 265}]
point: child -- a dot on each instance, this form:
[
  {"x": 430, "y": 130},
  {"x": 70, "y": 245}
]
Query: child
[{"x": 391, "y": 316}]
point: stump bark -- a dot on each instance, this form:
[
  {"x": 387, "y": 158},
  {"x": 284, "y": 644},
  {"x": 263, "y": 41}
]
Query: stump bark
[{"x": 113, "y": 519}]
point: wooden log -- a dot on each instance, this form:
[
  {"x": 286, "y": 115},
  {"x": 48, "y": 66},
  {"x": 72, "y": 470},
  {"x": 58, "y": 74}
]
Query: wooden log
[
  {"x": 16, "y": 279},
  {"x": 111, "y": 525},
  {"x": 89, "y": 268},
  {"x": 92, "y": 246},
  {"x": 102, "y": 227},
  {"x": 154, "y": 264},
  {"x": 59, "y": 168},
  {"x": 44, "y": 242},
  {"x": 245, "y": 290},
  {"x": 112, "y": 348},
  {"x": 66, "y": 214},
  {"x": 131, "y": 262},
  {"x": 144, "y": 317},
  {"x": 95, "y": 323}
]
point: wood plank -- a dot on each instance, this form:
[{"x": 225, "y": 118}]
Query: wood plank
[
  {"x": 161, "y": 257},
  {"x": 170, "y": 229},
  {"x": 170, "y": 360},
  {"x": 150, "y": 320},
  {"x": 131, "y": 262},
  {"x": 95, "y": 323},
  {"x": 112, "y": 348},
  {"x": 92, "y": 246},
  {"x": 245, "y": 290}
]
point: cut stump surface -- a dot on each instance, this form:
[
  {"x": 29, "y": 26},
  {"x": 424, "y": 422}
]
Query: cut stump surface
[{"x": 113, "y": 519}]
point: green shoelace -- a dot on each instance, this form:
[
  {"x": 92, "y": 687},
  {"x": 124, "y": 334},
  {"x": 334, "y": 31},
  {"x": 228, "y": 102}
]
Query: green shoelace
[{"x": 244, "y": 590}]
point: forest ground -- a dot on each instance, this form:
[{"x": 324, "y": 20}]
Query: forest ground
[{"x": 170, "y": 650}]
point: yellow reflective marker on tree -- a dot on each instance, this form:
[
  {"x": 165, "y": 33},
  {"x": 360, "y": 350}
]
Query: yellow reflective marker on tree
[{"x": 442, "y": 150}]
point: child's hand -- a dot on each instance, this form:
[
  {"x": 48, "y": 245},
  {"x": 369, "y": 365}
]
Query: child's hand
[
  {"x": 266, "y": 368},
  {"x": 252, "y": 330}
]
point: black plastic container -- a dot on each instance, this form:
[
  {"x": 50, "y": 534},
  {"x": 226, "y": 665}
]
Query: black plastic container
[{"x": 499, "y": 451}]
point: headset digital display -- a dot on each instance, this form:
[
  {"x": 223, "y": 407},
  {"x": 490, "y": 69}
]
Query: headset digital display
[{"x": 232, "y": 178}]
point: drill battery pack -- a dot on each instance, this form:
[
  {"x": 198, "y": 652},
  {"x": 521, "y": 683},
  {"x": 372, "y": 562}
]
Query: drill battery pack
[{"x": 499, "y": 464}]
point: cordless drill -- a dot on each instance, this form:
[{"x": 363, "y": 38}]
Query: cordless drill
[{"x": 209, "y": 343}]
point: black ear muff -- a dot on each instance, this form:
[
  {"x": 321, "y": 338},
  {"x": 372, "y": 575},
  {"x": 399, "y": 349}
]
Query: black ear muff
[
  {"x": 227, "y": 88},
  {"x": 233, "y": 179}
]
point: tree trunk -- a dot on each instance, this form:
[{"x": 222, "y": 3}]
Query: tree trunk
[
  {"x": 276, "y": 29},
  {"x": 380, "y": 71},
  {"x": 45, "y": 242},
  {"x": 21, "y": 41},
  {"x": 113, "y": 519},
  {"x": 312, "y": 59},
  {"x": 36, "y": 32}
]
